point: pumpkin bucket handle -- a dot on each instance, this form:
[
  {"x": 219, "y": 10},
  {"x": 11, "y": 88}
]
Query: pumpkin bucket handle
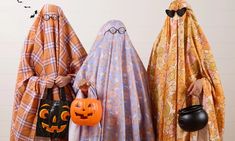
[{"x": 93, "y": 90}]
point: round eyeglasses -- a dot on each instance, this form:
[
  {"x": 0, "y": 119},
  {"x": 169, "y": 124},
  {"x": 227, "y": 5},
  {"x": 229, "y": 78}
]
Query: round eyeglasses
[
  {"x": 113, "y": 30},
  {"x": 47, "y": 17}
]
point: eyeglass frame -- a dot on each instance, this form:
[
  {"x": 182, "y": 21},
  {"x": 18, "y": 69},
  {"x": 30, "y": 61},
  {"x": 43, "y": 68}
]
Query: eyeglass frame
[
  {"x": 116, "y": 30},
  {"x": 50, "y": 16}
]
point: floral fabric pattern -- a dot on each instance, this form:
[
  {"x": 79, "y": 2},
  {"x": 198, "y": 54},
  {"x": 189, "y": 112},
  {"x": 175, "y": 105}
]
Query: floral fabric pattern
[{"x": 180, "y": 55}]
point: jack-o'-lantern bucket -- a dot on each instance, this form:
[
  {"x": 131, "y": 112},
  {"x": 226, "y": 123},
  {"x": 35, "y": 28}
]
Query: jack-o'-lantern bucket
[
  {"x": 86, "y": 111},
  {"x": 53, "y": 115}
]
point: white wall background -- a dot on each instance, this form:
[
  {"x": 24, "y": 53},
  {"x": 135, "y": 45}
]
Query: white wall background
[{"x": 143, "y": 19}]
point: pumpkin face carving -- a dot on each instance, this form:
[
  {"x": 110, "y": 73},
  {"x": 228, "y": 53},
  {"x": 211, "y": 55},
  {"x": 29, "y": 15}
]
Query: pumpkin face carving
[
  {"x": 86, "y": 111},
  {"x": 53, "y": 120}
]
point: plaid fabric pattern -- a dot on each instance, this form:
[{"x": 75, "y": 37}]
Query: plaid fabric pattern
[{"x": 51, "y": 49}]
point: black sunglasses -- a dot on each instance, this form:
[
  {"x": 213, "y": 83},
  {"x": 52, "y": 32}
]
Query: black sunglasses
[
  {"x": 113, "y": 30},
  {"x": 180, "y": 12}
]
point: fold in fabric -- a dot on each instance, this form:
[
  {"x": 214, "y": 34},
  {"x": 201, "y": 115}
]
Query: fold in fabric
[
  {"x": 120, "y": 78},
  {"x": 51, "y": 49},
  {"x": 181, "y": 54}
]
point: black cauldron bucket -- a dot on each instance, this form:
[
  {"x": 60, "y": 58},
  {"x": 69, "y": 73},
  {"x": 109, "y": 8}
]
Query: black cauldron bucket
[{"x": 192, "y": 118}]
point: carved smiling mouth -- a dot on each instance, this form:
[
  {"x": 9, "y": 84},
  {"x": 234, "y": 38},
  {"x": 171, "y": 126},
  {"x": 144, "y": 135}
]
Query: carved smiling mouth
[
  {"x": 53, "y": 129},
  {"x": 83, "y": 116}
]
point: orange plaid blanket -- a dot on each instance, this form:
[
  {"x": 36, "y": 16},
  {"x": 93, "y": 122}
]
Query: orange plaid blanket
[{"x": 51, "y": 49}]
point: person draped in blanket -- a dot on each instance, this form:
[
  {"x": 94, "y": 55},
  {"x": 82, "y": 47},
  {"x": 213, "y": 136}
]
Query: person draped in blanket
[
  {"x": 51, "y": 57},
  {"x": 182, "y": 65},
  {"x": 116, "y": 71}
]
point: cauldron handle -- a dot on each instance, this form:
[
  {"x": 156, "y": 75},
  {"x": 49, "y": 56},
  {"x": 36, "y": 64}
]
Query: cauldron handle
[{"x": 187, "y": 98}]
